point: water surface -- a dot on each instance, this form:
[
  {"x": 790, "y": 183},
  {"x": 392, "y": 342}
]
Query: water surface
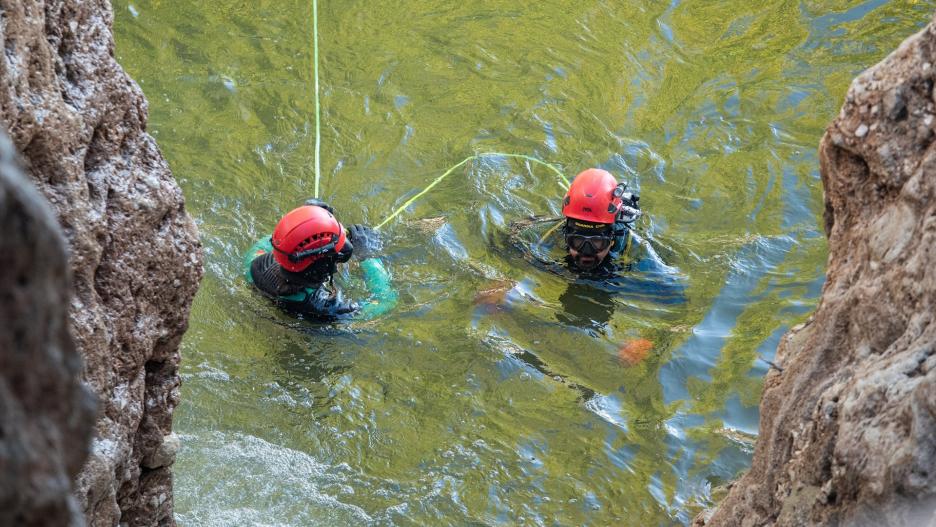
[{"x": 510, "y": 406}]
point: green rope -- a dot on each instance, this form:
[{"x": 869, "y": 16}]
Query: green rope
[
  {"x": 318, "y": 132},
  {"x": 563, "y": 182}
]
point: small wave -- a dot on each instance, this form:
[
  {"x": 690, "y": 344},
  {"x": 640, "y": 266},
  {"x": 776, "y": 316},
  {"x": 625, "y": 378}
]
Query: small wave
[
  {"x": 609, "y": 409},
  {"x": 246, "y": 480}
]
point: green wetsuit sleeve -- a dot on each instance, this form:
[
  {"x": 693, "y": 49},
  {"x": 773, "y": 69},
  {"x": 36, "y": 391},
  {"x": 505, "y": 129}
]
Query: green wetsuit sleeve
[
  {"x": 383, "y": 297},
  {"x": 262, "y": 246}
]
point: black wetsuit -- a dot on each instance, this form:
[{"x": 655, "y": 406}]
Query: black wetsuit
[
  {"x": 631, "y": 268},
  {"x": 306, "y": 294}
]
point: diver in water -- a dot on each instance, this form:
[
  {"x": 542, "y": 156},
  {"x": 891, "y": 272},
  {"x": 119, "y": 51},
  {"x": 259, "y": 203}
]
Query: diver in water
[
  {"x": 599, "y": 217},
  {"x": 601, "y": 255},
  {"x": 296, "y": 265},
  {"x": 596, "y": 228}
]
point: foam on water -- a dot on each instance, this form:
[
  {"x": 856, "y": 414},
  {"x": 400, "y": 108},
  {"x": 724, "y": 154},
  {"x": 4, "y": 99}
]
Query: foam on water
[{"x": 245, "y": 480}]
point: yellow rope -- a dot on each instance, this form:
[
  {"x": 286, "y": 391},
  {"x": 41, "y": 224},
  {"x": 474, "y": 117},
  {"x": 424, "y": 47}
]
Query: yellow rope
[
  {"x": 551, "y": 230},
  {"x": 318, "y": 130},
  {"x": 563, "y": 181}
]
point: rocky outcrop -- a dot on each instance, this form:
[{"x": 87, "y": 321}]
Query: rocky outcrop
[
  {"x": 79, "y": 124},
  {"x": 45, "y": 411},
  {"x": 848, "y": 427}
]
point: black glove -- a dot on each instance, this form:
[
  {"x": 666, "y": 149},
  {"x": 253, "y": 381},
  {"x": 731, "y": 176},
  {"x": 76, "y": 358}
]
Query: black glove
[
  {"x": 365, "y": 240},
  {"x": 319, "y": 203},
  {"x": 324, "y": 304}
]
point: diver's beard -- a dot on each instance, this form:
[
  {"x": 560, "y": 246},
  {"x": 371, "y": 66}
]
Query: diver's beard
[{"x": 593, "y": 262}]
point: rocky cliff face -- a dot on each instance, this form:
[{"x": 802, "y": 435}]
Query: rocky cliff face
[
  {"x": 79, "y": 124},
  {"x": 45, "y": 411},
  {"x": 848, "y": 428}
]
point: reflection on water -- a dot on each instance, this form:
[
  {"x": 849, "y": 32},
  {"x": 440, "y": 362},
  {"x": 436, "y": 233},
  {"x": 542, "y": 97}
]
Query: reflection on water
[{"x": 503, "y": 390}]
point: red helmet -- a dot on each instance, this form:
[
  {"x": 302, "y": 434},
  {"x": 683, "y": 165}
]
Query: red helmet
[
  {"x": 305, "y": 235},
  {"x": 591, "y": 197}
]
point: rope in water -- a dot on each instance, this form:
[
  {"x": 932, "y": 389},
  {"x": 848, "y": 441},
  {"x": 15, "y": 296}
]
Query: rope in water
[
  {"x": 315, "y": 61},
  {"x": 563, "y": 181},
  {"x": 318, "y": 137}
]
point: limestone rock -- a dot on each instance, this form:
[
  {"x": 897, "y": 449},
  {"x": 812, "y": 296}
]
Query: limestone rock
[
  {"x": 45, "y": 411},
  {"x": 79, "y": 123},
  {"x": 165, "y": 454},
  {"x": 848, "y": 428}
]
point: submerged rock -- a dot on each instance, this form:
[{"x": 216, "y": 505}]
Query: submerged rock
[
  {"x": 79, "y": 123},
  {"x": 848, "y": 428}
]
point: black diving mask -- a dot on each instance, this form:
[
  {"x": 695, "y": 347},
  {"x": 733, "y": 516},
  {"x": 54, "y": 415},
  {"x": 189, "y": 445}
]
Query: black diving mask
[{"x": 588, "y": 245}]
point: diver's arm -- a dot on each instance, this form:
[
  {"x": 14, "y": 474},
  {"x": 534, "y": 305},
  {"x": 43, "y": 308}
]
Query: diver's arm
[
  {"x": 651, "y": 276},
  {"x": 383, "y": 296},
  {"x": 318, "y": 304},
  {"x": 323, "y": 304},
  {"x": 257, "y": 250},
  {"x": 645, "y": 258}
]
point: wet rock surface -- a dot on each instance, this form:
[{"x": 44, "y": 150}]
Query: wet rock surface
[
  {"x": 79, "y": 123},
  {"x": 45, "y": 411},
  {"x": 848, "y": 428}
]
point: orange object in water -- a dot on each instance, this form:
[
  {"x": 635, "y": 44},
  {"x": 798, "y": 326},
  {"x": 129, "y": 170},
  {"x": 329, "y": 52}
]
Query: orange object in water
[
  {"x": 494, "y": 297},
  {"x": 634, "y": 351}
]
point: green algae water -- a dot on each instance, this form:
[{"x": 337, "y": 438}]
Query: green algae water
[{"x": 495, "y": 394}]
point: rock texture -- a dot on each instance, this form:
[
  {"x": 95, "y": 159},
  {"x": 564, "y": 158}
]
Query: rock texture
[
  {"x": 79, "y": 124},
  {"x": 848, "y": 428},
  {"x": 45, "y": 411}
]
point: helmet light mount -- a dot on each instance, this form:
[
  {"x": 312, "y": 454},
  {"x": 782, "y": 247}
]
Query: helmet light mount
[{"x": 299, "y": 256}]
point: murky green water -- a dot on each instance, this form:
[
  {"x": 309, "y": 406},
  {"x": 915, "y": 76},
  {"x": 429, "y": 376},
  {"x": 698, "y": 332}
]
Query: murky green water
[{"x": 510, "y": 408}]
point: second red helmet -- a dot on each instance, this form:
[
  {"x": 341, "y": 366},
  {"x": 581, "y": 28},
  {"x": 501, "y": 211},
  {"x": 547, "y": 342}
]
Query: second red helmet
[
  {"x": 591, "y": 197},
  {"x": 304, "y": 235}
]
